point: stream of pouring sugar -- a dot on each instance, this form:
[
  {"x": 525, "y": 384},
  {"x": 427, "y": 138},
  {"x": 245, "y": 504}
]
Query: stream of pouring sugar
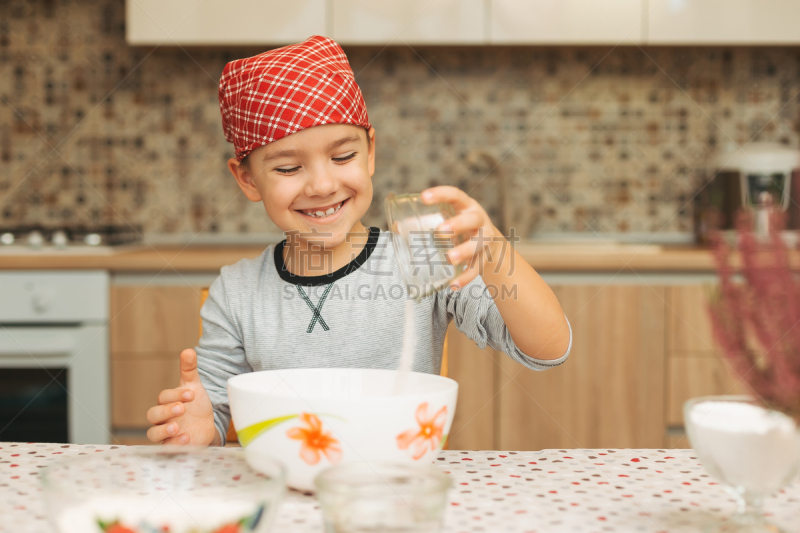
[{"x": 409, "y": 345}]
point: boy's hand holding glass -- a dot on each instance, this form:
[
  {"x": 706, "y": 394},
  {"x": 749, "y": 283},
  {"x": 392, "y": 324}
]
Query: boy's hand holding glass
[
  {"x": 471, "y": 220},
  {"x": 184, "y": 415}
]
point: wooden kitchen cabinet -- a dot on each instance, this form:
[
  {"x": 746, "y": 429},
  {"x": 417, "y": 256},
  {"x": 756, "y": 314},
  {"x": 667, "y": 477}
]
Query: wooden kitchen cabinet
[
  {"x": 409, "y": 21},
  {"x": 476, "y": 371},
  {"x": 566, "y": 22},
  {"x": 695, "y": 366},
  {"x": 154, "y": 319},
  {"x": 150, "y": 326},
  {"x": 609, "y": 393},
  {"x": 714, "y": 22},
  {"x": 135, "y": 384},
  {"x": 688, "y": 323},
  {"x": 639, "y": 352},
  {"x": 690, "y": 377}
]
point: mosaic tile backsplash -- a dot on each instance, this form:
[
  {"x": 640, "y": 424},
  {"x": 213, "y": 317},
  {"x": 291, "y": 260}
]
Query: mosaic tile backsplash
[{"x": 585, "y": 139}]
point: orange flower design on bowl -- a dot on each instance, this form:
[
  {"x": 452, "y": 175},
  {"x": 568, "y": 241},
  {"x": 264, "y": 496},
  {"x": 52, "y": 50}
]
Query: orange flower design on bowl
[
  {"x": 428, "y": 436},
  {"x": 315, "y": 441}
]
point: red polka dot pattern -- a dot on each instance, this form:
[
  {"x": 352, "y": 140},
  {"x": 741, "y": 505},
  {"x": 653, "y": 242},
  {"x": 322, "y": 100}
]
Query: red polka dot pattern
[{"x": 551, "y": 490}]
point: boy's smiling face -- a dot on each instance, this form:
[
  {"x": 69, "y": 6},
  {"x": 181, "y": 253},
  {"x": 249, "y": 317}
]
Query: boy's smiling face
[{"x": 318, "y": 179}]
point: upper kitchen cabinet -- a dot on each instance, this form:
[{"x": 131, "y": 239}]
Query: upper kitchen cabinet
[
  {"x": 724, "y": 22},
  {"x": 463, "y": 22},
  {"x": 409, "y": 21},
  {"x": 566, "y": 21},
  {"x": 214, "y": 22}
]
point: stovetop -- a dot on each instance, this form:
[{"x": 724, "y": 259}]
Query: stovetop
[{"x": 37, "y": 237}]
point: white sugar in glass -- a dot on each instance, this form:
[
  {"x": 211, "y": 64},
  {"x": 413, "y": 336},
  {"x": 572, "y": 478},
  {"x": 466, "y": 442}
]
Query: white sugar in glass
[
  {"x": 754, "y": 451},
  {"x": 420, "y": 250}
]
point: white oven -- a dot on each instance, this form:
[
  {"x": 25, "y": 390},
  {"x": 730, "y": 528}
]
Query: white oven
[{"x": 54, "y": 362}]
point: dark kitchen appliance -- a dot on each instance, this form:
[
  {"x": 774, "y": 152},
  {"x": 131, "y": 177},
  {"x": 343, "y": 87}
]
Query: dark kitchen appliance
[
  {"x": 755, "y": 177},
  {"x": 34, "y": 404}
]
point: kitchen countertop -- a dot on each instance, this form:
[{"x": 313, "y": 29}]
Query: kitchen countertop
[
  {"x": 550, "y": 257},
  {"x": 550, "y": 490},
  {"x": 132, "y": 258}
]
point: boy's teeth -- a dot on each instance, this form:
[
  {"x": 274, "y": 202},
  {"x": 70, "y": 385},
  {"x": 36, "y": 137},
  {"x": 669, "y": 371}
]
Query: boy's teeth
[{"x": 330, "y": 211}]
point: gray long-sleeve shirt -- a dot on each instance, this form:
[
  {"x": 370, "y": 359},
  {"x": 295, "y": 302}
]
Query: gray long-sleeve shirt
[{"x": 259, "y": 316}]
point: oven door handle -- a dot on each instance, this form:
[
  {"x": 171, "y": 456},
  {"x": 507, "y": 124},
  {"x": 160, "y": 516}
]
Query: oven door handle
[{"x": 34, "y": 342}]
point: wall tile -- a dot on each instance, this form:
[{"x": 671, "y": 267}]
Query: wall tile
[{"x": 587, "y": 139}]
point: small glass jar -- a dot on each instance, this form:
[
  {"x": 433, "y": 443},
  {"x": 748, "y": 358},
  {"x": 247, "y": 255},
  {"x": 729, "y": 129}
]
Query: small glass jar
[
  {"x": 357, "y": 497},
  {"x": 421, "y": 250}
]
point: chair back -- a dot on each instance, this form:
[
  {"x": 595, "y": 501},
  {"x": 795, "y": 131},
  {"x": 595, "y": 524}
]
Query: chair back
[{"x": 232, "y": 436}]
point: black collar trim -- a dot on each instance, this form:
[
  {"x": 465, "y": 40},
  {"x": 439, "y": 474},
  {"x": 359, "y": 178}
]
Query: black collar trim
[{"x": 325, "y": 279}]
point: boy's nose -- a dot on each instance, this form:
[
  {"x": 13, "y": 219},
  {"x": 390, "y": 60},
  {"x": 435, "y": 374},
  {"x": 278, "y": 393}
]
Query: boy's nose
[{"x": 321, "y": 184}]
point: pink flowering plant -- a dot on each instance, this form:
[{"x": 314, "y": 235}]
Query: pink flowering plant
[{"x": 763, "y": 305}]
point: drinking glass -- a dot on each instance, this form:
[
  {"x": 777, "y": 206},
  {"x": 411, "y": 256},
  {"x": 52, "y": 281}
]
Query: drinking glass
[
  {"x": 754, "y": 451},
  {"x": 385, "y": 497},
  {"x": 421, "y": 250}
]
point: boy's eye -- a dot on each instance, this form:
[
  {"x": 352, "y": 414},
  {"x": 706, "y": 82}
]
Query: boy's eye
[
  {"x": 288, "y": 170},
  {"x": 348, "y": 157}
]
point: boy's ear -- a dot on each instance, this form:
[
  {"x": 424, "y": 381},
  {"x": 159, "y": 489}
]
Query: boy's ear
[
  {"x": 371, "y": 151},
  {"x": 245, "y": 180}
]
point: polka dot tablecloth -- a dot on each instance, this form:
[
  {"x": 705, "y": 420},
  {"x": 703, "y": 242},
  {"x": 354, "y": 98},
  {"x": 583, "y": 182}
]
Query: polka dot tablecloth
[{"x": 549, "y": 490}]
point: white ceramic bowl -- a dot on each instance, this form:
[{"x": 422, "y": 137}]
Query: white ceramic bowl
[
  {"x": 181, "y": 489},
  {"x": 314, "y": 418}
]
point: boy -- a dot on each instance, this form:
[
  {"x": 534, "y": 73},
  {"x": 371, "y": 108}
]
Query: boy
[{"x": 322, "y": 298}]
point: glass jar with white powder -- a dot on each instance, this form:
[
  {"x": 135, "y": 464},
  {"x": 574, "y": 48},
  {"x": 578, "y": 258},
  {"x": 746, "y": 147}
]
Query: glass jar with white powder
[
  {"x": 753, "y": 450},
  {"x": 420, "y": 249}
]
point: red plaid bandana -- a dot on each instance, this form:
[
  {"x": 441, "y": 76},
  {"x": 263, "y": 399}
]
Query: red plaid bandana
[{"x": 269, "y": 96}]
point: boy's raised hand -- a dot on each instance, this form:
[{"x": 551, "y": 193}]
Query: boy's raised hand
[
  {"x": 184, "y": 415},
  {"x": 471, "y": 220}
]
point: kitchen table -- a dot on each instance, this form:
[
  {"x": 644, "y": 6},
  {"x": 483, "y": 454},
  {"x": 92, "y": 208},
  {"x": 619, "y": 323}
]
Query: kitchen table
[{"x": 493, "y": 491}]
